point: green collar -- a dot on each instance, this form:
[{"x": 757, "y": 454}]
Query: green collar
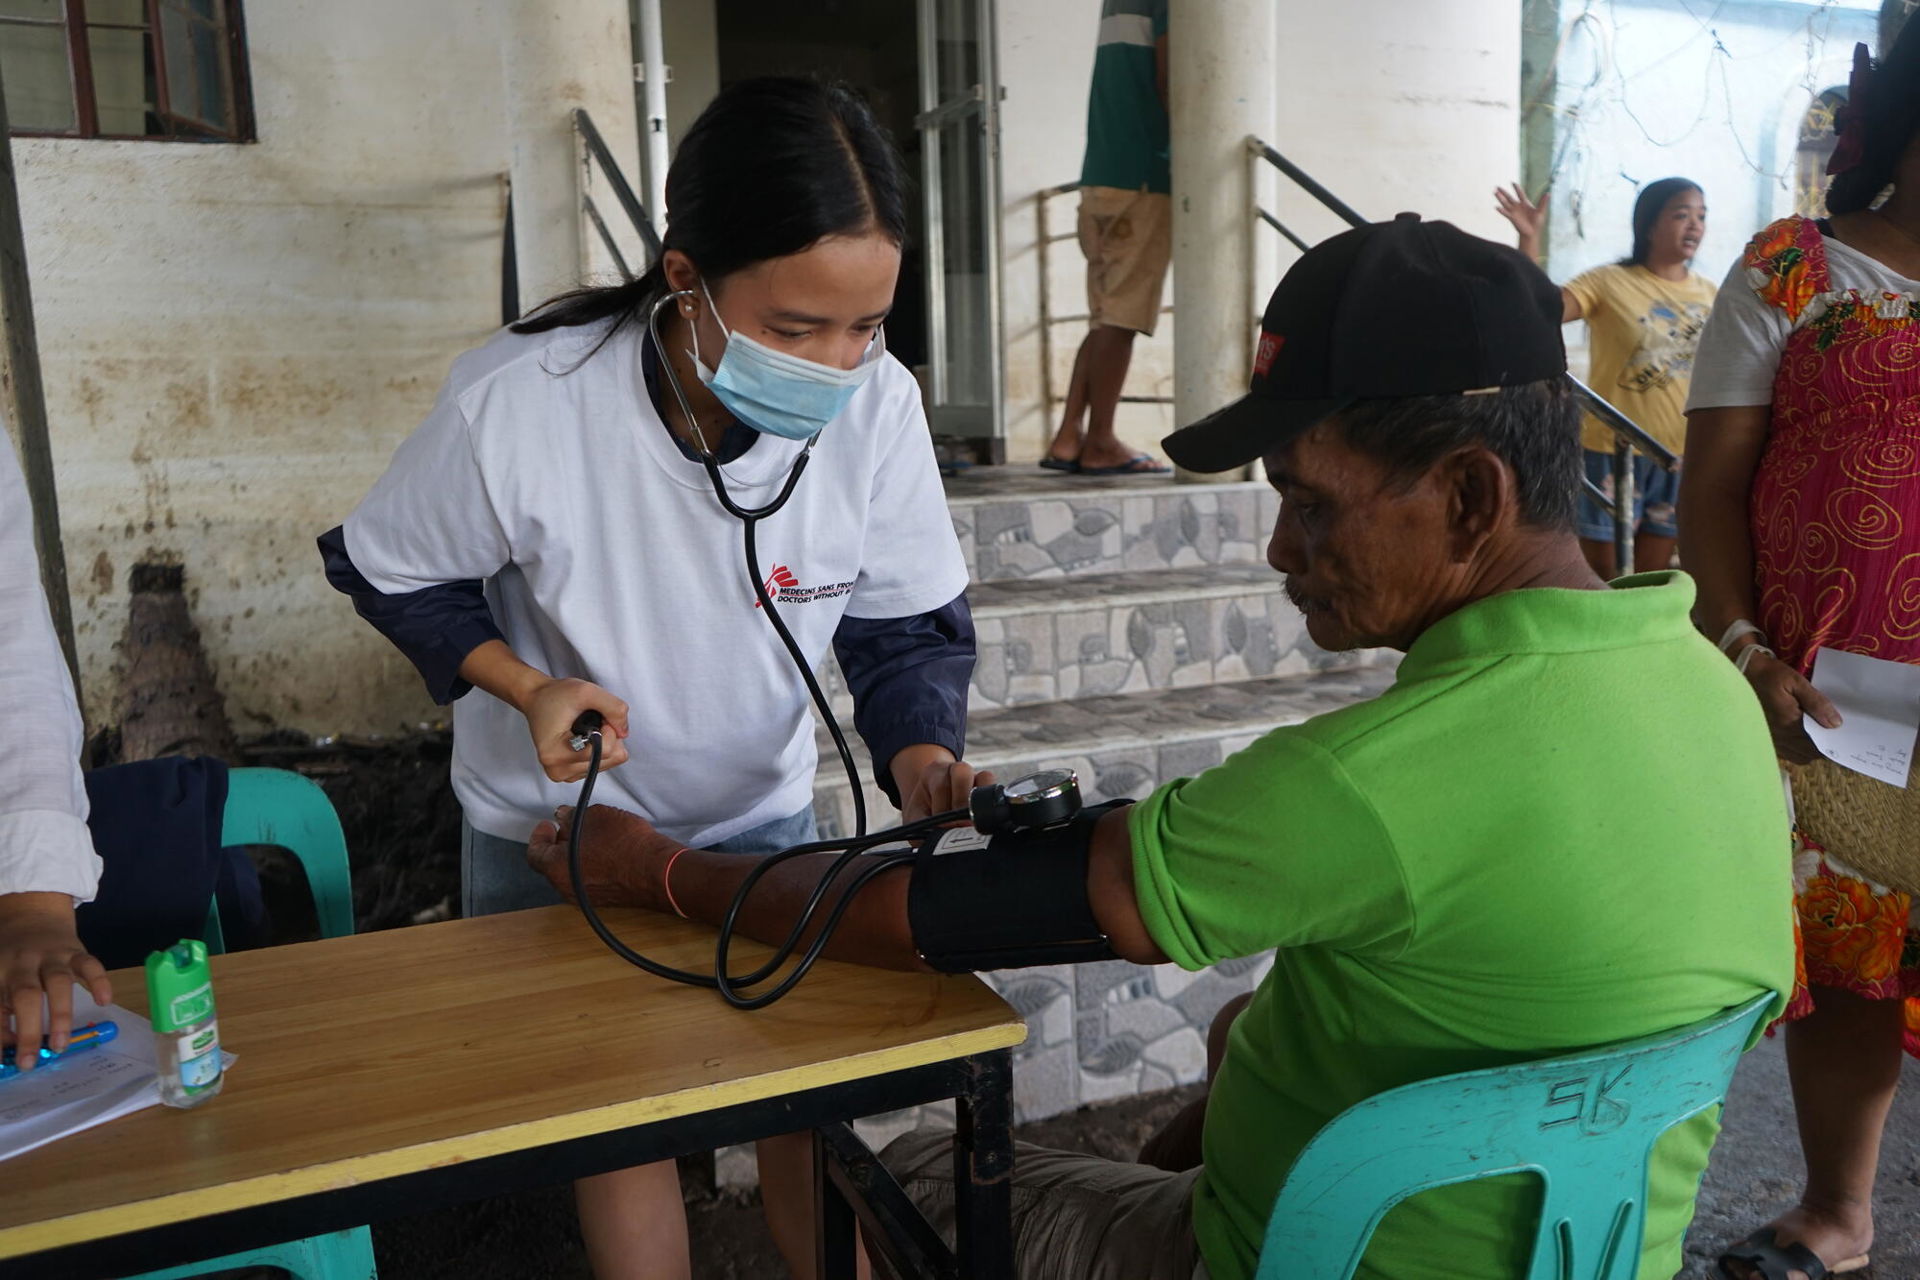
[{"x": 1644, "y": 609}]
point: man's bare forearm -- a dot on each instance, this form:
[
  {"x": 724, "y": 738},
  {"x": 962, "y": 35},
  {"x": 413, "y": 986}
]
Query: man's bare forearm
[{"x": 875, "y": 930}]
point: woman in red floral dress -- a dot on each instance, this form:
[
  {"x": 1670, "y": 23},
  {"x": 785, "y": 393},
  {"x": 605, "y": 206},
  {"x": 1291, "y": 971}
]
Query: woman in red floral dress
[{"x": 1801, "y": 510}]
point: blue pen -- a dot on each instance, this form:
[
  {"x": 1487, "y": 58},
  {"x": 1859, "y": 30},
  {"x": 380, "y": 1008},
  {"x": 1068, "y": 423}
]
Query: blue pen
[{"x": 87, "y": 1037}]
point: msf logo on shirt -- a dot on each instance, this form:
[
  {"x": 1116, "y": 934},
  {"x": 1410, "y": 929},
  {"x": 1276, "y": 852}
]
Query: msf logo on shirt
[{"x": 783, "y": 585}]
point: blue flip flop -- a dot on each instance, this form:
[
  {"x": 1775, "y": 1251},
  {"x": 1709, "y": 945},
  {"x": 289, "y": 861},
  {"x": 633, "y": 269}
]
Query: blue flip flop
[
  {"x": 1052, "y": 463},
  {"x": 1131, "y": 467}
]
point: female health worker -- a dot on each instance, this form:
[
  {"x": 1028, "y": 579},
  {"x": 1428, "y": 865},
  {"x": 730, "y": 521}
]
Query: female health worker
[{"x": 550, "y": 538}]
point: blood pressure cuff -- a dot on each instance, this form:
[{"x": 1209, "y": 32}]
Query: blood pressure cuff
[{"x": 1007, "y": 901}]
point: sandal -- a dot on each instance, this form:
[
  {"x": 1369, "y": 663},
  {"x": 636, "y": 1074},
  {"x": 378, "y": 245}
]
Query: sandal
[
  {"x": 1140, "y": 464},
  {"x": 1052, "y": 463},
  {"x": 1771, "y": 1261}
]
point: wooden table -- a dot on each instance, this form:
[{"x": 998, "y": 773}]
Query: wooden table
[{"x": 393, "y": 1072}]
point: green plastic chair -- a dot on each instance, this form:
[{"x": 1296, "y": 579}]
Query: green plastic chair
[
  {"x": 273, "y": 806},
  {"x": 1586, "y": 1124}
]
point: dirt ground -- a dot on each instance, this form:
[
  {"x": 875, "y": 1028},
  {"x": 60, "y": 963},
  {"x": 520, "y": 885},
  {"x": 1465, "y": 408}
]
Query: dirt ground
[{"x": 403, "y": 836}]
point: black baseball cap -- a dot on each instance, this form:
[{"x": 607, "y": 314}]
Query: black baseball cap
[{"x": 1401, "y": 308}]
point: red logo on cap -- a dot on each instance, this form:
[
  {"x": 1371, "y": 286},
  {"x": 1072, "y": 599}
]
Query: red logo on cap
[{"x": 1270, "y": 344}]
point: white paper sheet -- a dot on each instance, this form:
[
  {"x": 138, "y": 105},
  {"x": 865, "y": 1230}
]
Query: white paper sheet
[
  {"x": 1879, "y": 705},
  {"x": 67, "y": 1095}
]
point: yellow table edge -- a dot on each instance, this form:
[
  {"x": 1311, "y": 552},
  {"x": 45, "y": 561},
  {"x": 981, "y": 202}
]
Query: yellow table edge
[{"x": 120, "y": 1219}]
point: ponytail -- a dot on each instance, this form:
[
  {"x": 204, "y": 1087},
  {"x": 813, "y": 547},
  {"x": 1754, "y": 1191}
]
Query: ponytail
[{"x": 771, "y": 167}]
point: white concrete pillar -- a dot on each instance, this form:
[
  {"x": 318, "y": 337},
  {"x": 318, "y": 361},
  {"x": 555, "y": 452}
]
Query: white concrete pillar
[
  {"x": 558, "y": 55},
  {"x": 652, "y": 70},
  {"x": 1221, "y": 69}
]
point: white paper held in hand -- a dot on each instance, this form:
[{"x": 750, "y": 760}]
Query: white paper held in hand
[{"x": 1879, "y": 706}]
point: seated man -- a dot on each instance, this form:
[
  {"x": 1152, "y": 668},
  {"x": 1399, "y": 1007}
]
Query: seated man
[{"x": 1562, "y": 826}]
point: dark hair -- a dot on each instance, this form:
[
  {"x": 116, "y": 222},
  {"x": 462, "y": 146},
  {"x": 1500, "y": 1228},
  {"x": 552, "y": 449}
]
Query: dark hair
[
  {"x": 773, "y": 165},
  {"x": 1534, "y": 428},
  {"x": 1652, "y": 202},
  {"x": 1892, "y": 113}
]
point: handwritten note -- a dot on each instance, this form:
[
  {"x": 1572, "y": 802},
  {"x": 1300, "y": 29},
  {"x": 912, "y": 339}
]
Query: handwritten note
[
  {"x": 70, "y": 1094},
  {"x": 1879, "y": 705}
]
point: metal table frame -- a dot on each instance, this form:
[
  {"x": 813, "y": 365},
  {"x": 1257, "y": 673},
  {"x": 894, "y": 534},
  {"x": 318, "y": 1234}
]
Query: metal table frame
[{"x": 853, "y": 1185}]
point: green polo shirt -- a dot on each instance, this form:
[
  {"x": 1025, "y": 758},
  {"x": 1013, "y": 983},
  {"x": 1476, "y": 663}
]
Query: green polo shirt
[
  {"x": 1127, "y": 128},
  {"x": 1561, "y": 827}
]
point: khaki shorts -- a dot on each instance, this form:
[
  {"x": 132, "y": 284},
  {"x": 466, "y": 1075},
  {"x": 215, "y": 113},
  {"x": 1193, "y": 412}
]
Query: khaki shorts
[
  {"x": 1127, "y": 237},
  {"x": 1075, "y": 1217}
]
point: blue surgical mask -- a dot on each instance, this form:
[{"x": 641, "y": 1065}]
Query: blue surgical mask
[{"x": 776, "y": 393}]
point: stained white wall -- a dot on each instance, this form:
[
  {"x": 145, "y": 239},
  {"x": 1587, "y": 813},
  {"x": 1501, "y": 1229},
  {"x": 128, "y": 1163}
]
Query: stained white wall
[
  {"x": 1399, "y": 105},
  {"x": 235, "y": 338}
]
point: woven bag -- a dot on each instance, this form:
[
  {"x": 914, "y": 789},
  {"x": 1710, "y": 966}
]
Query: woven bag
[{"x": 1871, "y": 826}]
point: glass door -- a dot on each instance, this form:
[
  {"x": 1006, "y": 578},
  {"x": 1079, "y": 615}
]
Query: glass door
[{"x": 959, "y": 125}]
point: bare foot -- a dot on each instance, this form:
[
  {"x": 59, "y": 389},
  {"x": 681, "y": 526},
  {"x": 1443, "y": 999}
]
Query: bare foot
[
  {"x": 1065, "y": 446},
  {"x": 1841, "y": 1239}
]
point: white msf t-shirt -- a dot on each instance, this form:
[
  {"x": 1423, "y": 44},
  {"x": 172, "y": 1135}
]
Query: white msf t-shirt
[{"x": 607, "y": 557}]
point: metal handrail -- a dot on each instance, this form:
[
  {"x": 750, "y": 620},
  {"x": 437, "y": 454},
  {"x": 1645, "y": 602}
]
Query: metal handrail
[
  {"x": 1048, "y": 320},
  {"x": 1628, "y": 434},
  {"x": 509, "y": 268},
  {"x": 598, "y": 153},
  {"x": 1305, "y": 182}
]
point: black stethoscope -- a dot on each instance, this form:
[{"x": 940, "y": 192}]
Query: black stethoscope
[
  {"x": 588, "y": 728},
  {"x": 750, "y": 518},
  {"x": 707, "y": 456}
]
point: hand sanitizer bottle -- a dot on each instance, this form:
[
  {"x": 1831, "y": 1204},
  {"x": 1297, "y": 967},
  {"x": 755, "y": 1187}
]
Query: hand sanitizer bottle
[{"x": 186, "y": 1037}]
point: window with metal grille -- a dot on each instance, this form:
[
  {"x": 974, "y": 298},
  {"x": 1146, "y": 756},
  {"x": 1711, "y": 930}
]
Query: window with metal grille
[{"x": 169, "y": 69}]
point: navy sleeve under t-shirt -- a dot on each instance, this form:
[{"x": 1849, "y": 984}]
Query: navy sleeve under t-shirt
[{"x": 908, "y": 676}]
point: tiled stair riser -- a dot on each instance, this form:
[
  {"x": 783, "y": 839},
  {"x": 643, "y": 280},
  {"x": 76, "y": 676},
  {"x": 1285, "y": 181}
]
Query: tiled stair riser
[
  {"x": 1089, "y": 648},
  {"x": 1094, "y": 1032},
  {"x": 1130, "y": 649},
  {"x": 1114, "y": 530},
  {"x": 1125, "y": 744}
]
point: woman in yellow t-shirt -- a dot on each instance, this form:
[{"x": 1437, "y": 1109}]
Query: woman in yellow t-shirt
[{"x": 1644, "y": 315}]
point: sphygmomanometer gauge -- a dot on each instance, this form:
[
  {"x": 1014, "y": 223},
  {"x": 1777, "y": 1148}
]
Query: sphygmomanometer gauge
[{"x": 1037, "y": 801}]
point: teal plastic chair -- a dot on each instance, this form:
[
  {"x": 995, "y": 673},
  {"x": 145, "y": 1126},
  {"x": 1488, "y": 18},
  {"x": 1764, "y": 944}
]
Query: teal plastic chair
[
  {"x": 1586, "y": 1124},
  {"x": 341, "y": 1255},
  {"x": 273, "y": 806}
]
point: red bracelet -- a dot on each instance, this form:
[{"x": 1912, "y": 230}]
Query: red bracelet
[{"x": 666, "y": 882}]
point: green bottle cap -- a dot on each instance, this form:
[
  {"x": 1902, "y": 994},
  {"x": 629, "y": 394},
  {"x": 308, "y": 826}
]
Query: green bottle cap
[{"x": 179, "y": 989}]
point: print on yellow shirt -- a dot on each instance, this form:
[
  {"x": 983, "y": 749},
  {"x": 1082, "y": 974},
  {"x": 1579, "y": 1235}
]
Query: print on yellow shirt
[{"x": 1644, "y": 333}]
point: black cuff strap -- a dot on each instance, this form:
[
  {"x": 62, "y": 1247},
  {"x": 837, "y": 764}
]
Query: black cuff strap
[{"x": 1008, "y": 901}]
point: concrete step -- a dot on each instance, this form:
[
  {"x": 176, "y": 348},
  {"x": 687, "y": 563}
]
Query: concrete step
[
  {"x": 1120, "y": 744},
  {"x": 1044, "y": 639},
  {"x": 1020, "y": 522}
]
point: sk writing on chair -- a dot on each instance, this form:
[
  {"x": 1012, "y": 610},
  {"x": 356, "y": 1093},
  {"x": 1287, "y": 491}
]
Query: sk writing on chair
[{"x": 1585, "y": 1124}]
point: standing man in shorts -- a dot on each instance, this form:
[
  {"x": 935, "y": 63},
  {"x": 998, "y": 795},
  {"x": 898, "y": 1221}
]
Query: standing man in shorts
[{"x": 1126, "y": 214}]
